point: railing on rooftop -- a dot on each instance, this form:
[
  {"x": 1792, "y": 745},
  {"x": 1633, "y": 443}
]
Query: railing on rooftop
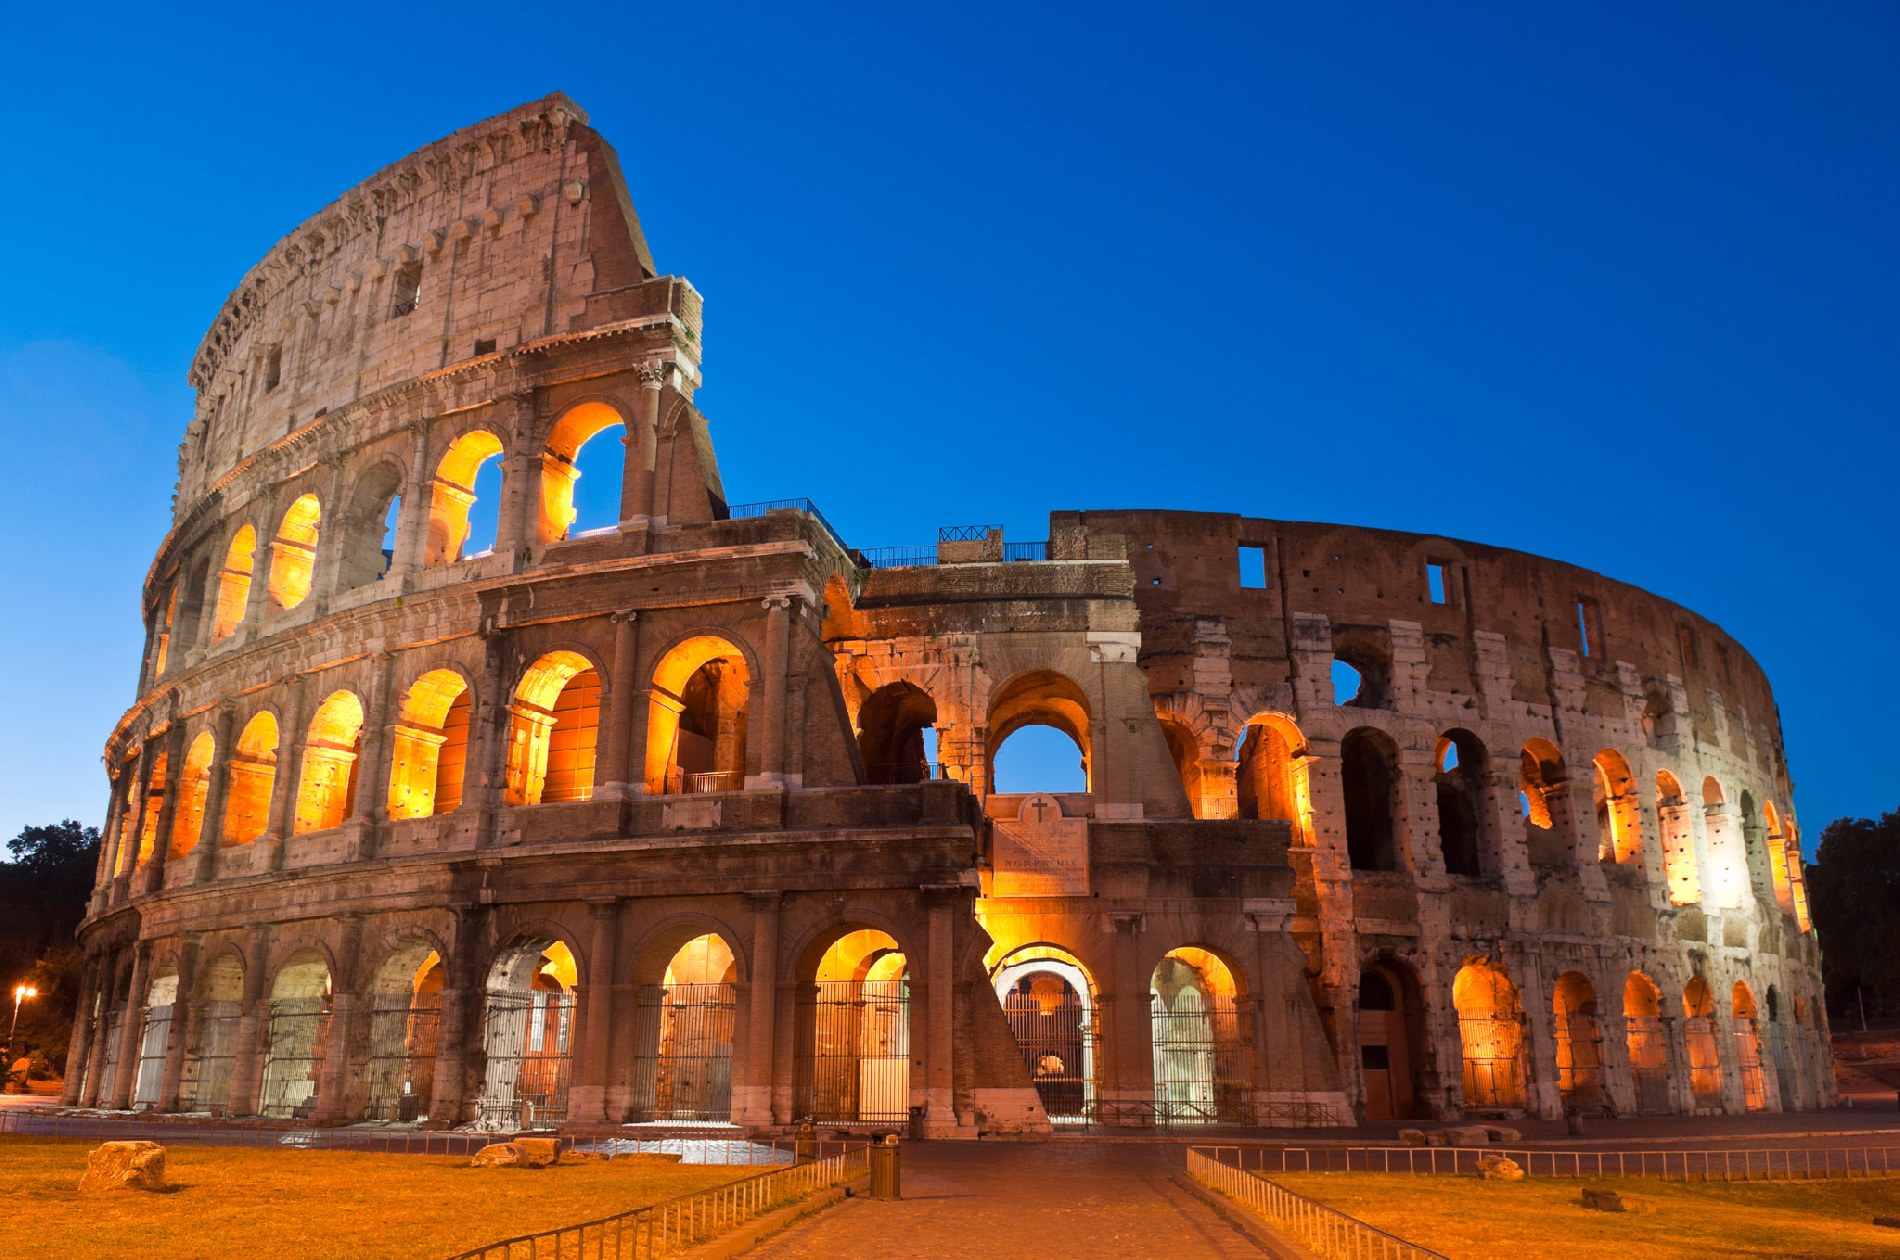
[
  {"x": 895, "y": 557},
  {"x": 682, "y": 783},
  {"x": 745, "y": 511}
]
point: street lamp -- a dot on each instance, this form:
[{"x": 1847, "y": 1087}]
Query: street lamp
[{"x": 21, "y": 992}]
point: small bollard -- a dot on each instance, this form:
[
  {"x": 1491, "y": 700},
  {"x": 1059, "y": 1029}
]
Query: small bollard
[
  {"x": 1573, "y": 1122},
  {"x": 805, "y": 1146},
  {"x": 885, "y": 1180}
]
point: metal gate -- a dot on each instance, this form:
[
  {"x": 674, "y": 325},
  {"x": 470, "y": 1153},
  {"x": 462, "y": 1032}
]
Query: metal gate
[
  {"x": 1580, "y": 1060},
  {"x": 854, "y": 1052},
  {"x": 527, "y": 1037},
  {"x": 1057, "y": 1042},
  {"x": 153, "y": 1043},
  {"x": 1200, "y": 1059},
  {"x": 684, "y": 1069},
  {"x": 1748, "y": 1061},
  {"x": 1493, "y": 1075},
  {"x": 109, "y": 1068},
  {"x": 207, "y": 1083},
  {"x": 1649, "y": 1064},
  {"x": 1705, "y": 1066},
  {"x": 293, "y": 1057},
  {"x": 401, "y": 1066}
]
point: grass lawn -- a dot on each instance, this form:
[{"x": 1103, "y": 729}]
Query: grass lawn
[
  {"x": 310, "y": 1205},
  {"x": 1465, "y": 1217}
]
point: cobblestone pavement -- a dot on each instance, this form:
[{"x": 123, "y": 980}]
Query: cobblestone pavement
[{"x": 1006, "y": 1200}]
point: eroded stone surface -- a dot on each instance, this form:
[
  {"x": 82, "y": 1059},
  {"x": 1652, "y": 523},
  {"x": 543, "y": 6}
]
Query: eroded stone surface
[{"x": 124, "y": 1166}]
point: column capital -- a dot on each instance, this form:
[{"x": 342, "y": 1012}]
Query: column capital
[
  {"x": 772, "y": 603},
  {"x": 653, "y": 375}
]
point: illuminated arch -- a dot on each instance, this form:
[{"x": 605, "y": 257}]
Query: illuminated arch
[
  {"x": 429, "y": 754},
  {"x": 696, "y": 720},
  {"x": 234, "y": 583},
  {"x": 1491, "y": 1035},
  {"x": 297, "y": 1034},
  {"x": 1648, "y": 1044},
  {"x": 1269, "y": 781},
  {"x": 194, "y": 784},
  {"x": 1705, "y": 1062},
  {"x": 253, "y": 772},
  {"x": 1040, "y": 697},
  {"x": 1200, "y": 1029},
  {"x": 683, "y": 1062},
  {"x": 553, "y": 731},
  {"x": 405, "y": 1016},
  {"x": 453, "y": 494},
  {"x": 1579, "y": 1041},
  {"x": 1619, "y": 814},
  {"x": 326, "y": 787},
  {"x": 294, "y": 552},
  {"x": 528, "y": 1027},
  {"x": 1747, "y": 1023},
  {"x": 852, "y": 1060},
  {"x": 559, "y": 464},
  {"x": 1050, "y": 1002},
  {"x": 1678, "y": 844}
]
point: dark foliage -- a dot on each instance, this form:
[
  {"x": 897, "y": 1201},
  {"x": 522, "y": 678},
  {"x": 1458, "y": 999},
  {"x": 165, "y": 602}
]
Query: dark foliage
[
  {"x": 1854, "y": 895},
  {"x": 43, "y": 893}
]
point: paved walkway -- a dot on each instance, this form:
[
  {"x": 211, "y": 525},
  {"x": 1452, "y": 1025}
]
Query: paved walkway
[{"x": 1034, "y": 1201}]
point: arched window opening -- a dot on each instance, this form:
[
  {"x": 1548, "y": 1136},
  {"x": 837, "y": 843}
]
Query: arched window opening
[
  {"x": 1267, "y": 779},
  {"x": 253, "y": 771},
  {"x": 1347, "y": 683},
  {"x": 404, "y": 1018},
  {"x": 892, "y": 724},
  {"x": 1698, "y": 1031},
  {"x": 1387, "y": 1013},
  {"x": 1648, "y": 1044},
  {"x": 1185, "y": 752},
  {"x": 369, "y": 528},
  {"x": 1678, "y": 844},
  {"x": 429, "y": 760},
  {"x": 1748, "y": 1047},
  {"x": 1619, "y": 814},
  {"x": 527, "y": 1031},
  {"x": 1579, "y": 1042},
  {"x": 161, "y": 651},
  {"x": 552, "y": 731},
  {"x": 194, "y": 784},
  {"x": 684, "y": 1067},
  {"x": 696, "y": 723},
  {"x": 462, "y": 482},
  {"x": 1049, "y": 1003},
  {"x": 299, "y": 1033},
  {"x": 234, "y": 583},
  {"x": 1040, "y": 763},
  {"x": 853, "y": 1027},
  {"x": 326, "y": 790},
  {"x": 293, "y": 553},
  {"x": 1367, "y": 775},
  {"x": 154, "y": 806},
  {"x": 1460, "y": 761},
  {"x": 1491, "y": 1034},
  {"x": 1541, "y": 779},
  {"x": 161, "y": 998},
  {"x": 1202, "y": 1032},
  {"x": 1781, "y": 861},
  {"x": 211, "y": 1052},
  {"x": 1361, "y": 671},
  {"x": 1729, "y": 881},
  {"x": 192, "y": 608},
  {"x": 581, "y": 473}
]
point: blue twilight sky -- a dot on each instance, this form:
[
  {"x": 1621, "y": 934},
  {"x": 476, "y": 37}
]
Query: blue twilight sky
[{"x": 1614, "y": 283}]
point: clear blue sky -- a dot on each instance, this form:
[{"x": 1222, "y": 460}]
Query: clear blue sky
[{"x": 1612, "y": 283}]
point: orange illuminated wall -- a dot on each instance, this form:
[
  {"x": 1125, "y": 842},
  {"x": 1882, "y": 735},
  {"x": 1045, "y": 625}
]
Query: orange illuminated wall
[
  {"x": 543, "y": 705},
  {"x": 430, "y": 747},
  {"x": 154, "y": 804},
  {"x": 253, "y": 770},
  {"x": 326, "y": 789},
  {"x": 294, "y": 553},
  {"x": 1678, "y": 842},
  {"x": 194, "y": 783},
  {"x": 234, "y": 583}
]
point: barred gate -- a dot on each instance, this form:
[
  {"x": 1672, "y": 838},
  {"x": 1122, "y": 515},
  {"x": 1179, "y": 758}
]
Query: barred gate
[
  {"x": 401, "y": 1066},
  {"x": 109, "y": 1067},
  {"x": 1200, "y": 1060},
  {"x": 207, "y": 1083},
  {"x": 1748, "y": 1060},
  {"x": 1493, "y": 1076},
  {"x": 154, "y": 1040},
  {"x": 1580, "y": 1060},
  {"x": 854, "y": 1052},
  {"x": 1649, "y": 1064},
  {"x": 684, "y": 1068},
  {"x": 1705, "y": 1065},
  {"x": 1058, "y": 1045},
  {"x": 528, "y": 1038},
  {"x": 293, "y": 1059}
]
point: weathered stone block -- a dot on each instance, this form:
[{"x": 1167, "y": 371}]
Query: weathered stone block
[
  {"x": 1414, "y": 1137},
  {"x": 124, "y": 1166},
  {"x": 1499, "y": 1168}
]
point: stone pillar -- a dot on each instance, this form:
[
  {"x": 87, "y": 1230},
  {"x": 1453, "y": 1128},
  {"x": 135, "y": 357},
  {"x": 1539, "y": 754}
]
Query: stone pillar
[
  {"x": 79, "y": 1045},
  {"x": 96, "y": 1060},
  {"x": 588, "y": 1100},
  {"x": 1415, "y": 828},
  {"x": 1130, "y": 1075},
  {"x": 770, "y": 712},
  {"x": 639, "y": 480},
  {"x": 1541, "y": 1094},
  {"x": 333, "y": 1081},
  {"x": 373, "y": 751},
  {"x": 217, "y": 794},
  {"x": 181, "y": 1030},
  {"x": 412, "y": 521},
  {"x": 132, "y": 820},
  {"x": 516, "y": 526},
  {"x": 291, "y": 741},
  {"x": 247, "y": 1065},
  {"x": 616, "y": 773},
  {"x": 1505, "y": 828},
  {"x": 754, "y": 1077},
  {"x": 257, "y": 601},
  {"x": 132, "y": 1028},
  {"x": 486, "y": 773},
  {"x": 940, "y": 1113},
  {"x": 461, "y": 995},
  {"x": 168, "y": 811}
]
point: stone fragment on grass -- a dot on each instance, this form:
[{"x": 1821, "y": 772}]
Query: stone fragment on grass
[
  {"x": 124, "y": 1166},
  {"x": 1499, "y": 1168},
  {"x": 1603, "y": 1201},
  {"x": 497, "y": 1155},
  {"x": 539, "y": 1152}
]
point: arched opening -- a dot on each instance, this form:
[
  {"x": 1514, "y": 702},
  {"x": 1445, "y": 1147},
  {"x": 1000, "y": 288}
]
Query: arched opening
[
  {"x": 1748, "y": 1047},
  {"x": 1045, "y": 705},
  {"x": 1780, "y": 860},
  {"x": 326, "y": 790},
  {"x": 1367, "y": 772},
  {"x": 897, "y": 734},
  {"x": 299, "y": 1031},
  {"x": 212, "y": 1051},
  {"x": 1728, "y": 861},
  {"x": 1491, "y": 1034},
  {"x": 1185, "y": 752},
  {"x": 1461, "y": 763},
  {"x": 369, "y": 527},
  {"x": 1618, "y": 812},
  {"x": 293, "y": 553},
  {"x": 1698, "y": 1033},
  {"x": 683, "y": 1071},
  {"x": 462, "y": 481},
  {"x": 162, "y": 635},
  {"x": 1266, "y": 778},
  {"x": 1049, "y": 1002},
  {"x": 553, "y": 727},
  {"x": 1202, "y": 1033},
  {"x": 527, "y": 1033},
  {"x": 404, "y": 1017},
  {"x": 1361, "y": 671},
  {"x": 253, "y": 771},
  {"x": 234, "y": 583},
  {"x": 853, "y": 1054},
  {"x": 1579, "y": 1042},
  {"x": 1387, "y": 1013},
  {"x": 1648, "y": 1044},
  {"x": 194, "y": 783},
  {"x": 1541, "y": 778},
  {"x": 1678, "y": 844},
  {"x": 696, "y": 722},
  {"x": 429, "y": 757},
  {"x": 154, "y": 805},
  {"x": 161, "y": 997},
  {"x": 581, "y": 472}
]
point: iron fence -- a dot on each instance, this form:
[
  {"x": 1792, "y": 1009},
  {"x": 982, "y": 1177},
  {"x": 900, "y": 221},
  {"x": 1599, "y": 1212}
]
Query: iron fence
[
  {"x": 684, "y": 1068},
  {"x": 678, "y": 1225},
  {"x": 1201, "y": 1049},
  {"x": 293, "y": 1061},
  {"x": 684, "y": 783},
  {"x": 1792, "y": 1163},
  {"x": 1060, "y": 1046},
  {"x": 1649, "y": 1064},
  {"x": 207, "y": 1080},
  {"x": 1324, "y": 1230},
  {"x": 154, "y": 1039},
  {"x": 744, "y": 511},
  {"x": 402, "y": 1046},
  {"x": 894, "y": 557},
  {"x": 527, "y": 1035},
  {"x": 854, "y": 1052}
]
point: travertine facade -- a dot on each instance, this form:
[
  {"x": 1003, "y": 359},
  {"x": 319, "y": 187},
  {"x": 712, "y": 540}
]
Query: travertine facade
[{"x": 646, "y": 823}]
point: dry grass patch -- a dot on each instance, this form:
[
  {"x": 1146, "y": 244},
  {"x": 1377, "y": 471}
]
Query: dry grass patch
[
  {"x": 1463, "y": 1216},
  {"x": 310, "y": 1205}
]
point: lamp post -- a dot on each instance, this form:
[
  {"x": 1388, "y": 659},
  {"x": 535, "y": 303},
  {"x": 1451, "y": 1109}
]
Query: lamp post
[{"x": 21, "y": 992}]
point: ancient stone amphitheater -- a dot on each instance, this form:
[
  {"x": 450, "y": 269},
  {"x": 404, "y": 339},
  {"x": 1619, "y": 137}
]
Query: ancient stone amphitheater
[{"x": 436, "y": 807}]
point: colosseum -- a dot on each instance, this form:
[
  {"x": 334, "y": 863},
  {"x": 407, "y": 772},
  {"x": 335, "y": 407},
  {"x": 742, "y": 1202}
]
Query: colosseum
[{"x": 442, "y": 805}]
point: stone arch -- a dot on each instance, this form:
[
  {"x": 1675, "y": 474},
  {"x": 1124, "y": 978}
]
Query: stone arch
[
  {"x": 155, "y": 1006},
  {"x": 1677, "y": 840},
  {"x": 194, "y": 784},
  {"x": 298, "y": 1031},
  {"x": 326, "y": 786},
  {"x": 1491, "y": 1035},
  {"x": 1460, "y": 764},
  {"x": 1648, "y": 1043},
  {"x": 1391, "y": 1037},
  {"x": 578, "y": 425},
  {"x": 1039, "y": 697},
  {"x": 1184, "y": 751},
  {"x": 212, "y": 1031},
  {"x": 896, "y": 734},
  {"x": 1201, "y": 1031},
  {"x": 1746, "y": 1021},
  {"x": 1579, "y": 1041},
  {"x": 554, "y": 730},
  {"x": 697, "y": 715},
  {"x": 688, "y": 1020},
  {"x": 362, "y": 558},
  {"x": 453, "y": 493},
  {"x": 1619, "y": 814},
  {"x": 528, "y": 1017},
  {"x": 841, "y": 619},
  {"x": 1050, "y": 1002},
  {"x": 1370, "y": 782},
  {"x": 253, "y": 773},
  {"x": 1269, "y": 777},
  {"x": 293, "y": 551},
  {"x": 429, "y": 748},
  {"x": 234, "y": 582},
  {"x": 1368, "y": 653},
  {"x": 1705, "y": 1060},
  {"x": 1542, "y": 783},
  {"x": 852, "y": 1049},
  {"x": 405, "y": 1001}
]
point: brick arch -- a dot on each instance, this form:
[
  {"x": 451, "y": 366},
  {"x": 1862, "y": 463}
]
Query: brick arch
[
  {"x": 507, "y": 929},
  {"x": 646, "y": 962}
]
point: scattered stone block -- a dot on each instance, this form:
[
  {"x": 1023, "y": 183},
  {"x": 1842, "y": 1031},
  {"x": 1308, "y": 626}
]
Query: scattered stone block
[
  {"x": 539, "y": 1152},
  {"x": 497, "y": 1155},
  {"x": 1413, "y": 1137},
  {"x": 1499, "y": 1168},
  {"x": 1436, "y": 1138},
  {"x": 1603, "y": 1201},
  {"x": 1887, "y": 1222},
  {"x": 1468, "y": 1135},
  {"x": 1501, "y": 1133},
  {"x": 124, "y": 1166}
]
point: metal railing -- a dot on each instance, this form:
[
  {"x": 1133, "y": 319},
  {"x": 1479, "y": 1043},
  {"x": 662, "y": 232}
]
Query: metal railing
[
  {"x": 677, "y": 1225},
  {"x": 924, "y": 557},
  {"x": 1795, "y": 1163},
  {"x": 679, "y": 783},
  {"x": 745, "y": 511},
  {"x": 1234, "y": 1113},
  {"x": 1325, "y": 1231}
]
